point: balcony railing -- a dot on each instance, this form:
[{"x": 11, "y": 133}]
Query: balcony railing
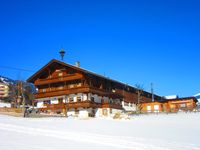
[
  {"x": 51, "y": 92},
  {"x": 82, "y": 104},
  {"x": 112, "y": 105},
  {"x": 63, "y": 91},
  {"x": 58, "y": 79}
]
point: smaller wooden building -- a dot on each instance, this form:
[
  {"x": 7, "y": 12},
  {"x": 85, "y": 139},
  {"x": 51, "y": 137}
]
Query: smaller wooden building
[
  {"x": 4, "y": 90},
  {"x": 182, "y": 104},
  {"x": 170, "y": 105},
  {"x": 152, "y": 107}
]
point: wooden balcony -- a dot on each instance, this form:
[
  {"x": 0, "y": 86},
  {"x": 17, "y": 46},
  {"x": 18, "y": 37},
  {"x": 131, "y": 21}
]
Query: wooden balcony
[
  {"x": 58, "y": 79},
  {"x": 63, "y": 91},
  {"x": 76, "y": 105},
  {"x": 74, "y": 90},
  {"x": 83, "y": 104},
  {"x": 109, "y": 105}
]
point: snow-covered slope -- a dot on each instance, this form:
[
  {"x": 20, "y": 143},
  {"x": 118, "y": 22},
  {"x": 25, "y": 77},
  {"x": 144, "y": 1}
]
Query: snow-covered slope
[
  {"x": 150, "y": 132},
  {"x": 198, "y": 97},
  {"x": 6, "y": 80},
  {"x": 197, "y": 94}
]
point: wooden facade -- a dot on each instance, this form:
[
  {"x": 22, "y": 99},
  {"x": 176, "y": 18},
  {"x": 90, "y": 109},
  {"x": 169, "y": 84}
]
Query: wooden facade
[
  {"x": 170, "y": 105},
  {"x": 74, "y": 88}
]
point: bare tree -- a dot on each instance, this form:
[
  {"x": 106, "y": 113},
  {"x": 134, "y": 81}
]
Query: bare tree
[
  {"x": 139, "y": 89},
  {"x": 13, "y": 95},
  {"x": 29, "y": 94},
  {"x": 21, "y": 93}
]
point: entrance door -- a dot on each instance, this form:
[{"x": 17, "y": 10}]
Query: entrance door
[{"x": 105, "y": 112}]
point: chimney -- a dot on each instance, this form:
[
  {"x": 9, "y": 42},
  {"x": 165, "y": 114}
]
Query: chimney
[{"x": 77, "y": 64}]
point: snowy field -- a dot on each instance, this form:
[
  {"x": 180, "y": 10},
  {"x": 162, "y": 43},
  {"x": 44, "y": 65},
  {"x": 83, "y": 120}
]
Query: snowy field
[
  {"x": 4, "y": 104},
  {"x": 150, "y": 132}
]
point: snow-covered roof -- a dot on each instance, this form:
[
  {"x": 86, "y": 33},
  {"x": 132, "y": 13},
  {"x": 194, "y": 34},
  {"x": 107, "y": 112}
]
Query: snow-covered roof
[{"x": 171, "y": 97}]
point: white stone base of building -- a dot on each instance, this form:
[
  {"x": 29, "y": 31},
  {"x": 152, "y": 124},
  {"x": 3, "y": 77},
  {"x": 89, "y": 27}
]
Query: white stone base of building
[{"x": 98, "y": 112}]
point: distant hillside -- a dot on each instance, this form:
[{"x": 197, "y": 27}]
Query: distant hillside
[
  {"x": 198, "y": 98},
  {"x": 6, "y": 80},
  {"x": 197, "y": 95}
]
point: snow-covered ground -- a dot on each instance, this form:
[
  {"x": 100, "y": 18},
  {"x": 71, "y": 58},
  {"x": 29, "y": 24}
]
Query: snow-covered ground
[
  {"x": 145, "y": 132},
  {"x": 2, "y": 104}
]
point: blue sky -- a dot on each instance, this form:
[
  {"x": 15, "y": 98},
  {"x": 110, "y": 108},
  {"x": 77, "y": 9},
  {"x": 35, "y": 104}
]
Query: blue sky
[{"x": 133, "y": 41}]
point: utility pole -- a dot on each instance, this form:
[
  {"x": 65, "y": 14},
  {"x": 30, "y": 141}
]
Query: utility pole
[{"x": 152, "y": 93}]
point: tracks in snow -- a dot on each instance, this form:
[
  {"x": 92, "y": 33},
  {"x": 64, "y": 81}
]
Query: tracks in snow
[{"x": 113, "y": 141}]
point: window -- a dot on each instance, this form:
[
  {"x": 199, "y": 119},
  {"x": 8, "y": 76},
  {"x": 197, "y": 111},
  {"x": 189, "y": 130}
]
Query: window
[
  {"x": 92, "y": 99},
  {"x": 156, "y": 107},
  {"x": 60, "y": 100},
  {"x": 60, "y": 87},
  {"x": 47, "y": 102},
  {"x": 148, "y": 108},
  {"x": 182, "y": 105},
  {"x": 126, "y": 104},
  {"x": 92, "y": 114},
  {"x": 71, "y": 86},
  {"x": 78, "y": 99},
  {"x": 78, "y": 85},
  {"x": 71, "y": 99},
  {"x": 60, "y": 74},
  {"x": 76, "y": 111}
]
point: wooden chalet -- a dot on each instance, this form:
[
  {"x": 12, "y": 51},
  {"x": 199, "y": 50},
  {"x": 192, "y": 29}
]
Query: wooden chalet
[
  {"x": 68, "y": 89},
  {"x": 170, "y": 105}
]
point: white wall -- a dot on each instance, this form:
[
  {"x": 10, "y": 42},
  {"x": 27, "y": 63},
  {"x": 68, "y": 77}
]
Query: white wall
[
  {"x": 71, "y": 112},
  {"x": 83, "y": 113},
  {"x": 129, "y": 107},
  {"x": 114, "y": 111},
  {"x": 40, "y": 104},
  {"x": 98, "y": 112},
  {"x": 54, "y": 101},
  {"x": 110, "y": 112}
]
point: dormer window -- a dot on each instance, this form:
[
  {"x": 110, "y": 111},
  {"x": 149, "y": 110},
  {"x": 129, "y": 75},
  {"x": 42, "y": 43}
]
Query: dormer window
[{"x": 60, "y": 74}]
